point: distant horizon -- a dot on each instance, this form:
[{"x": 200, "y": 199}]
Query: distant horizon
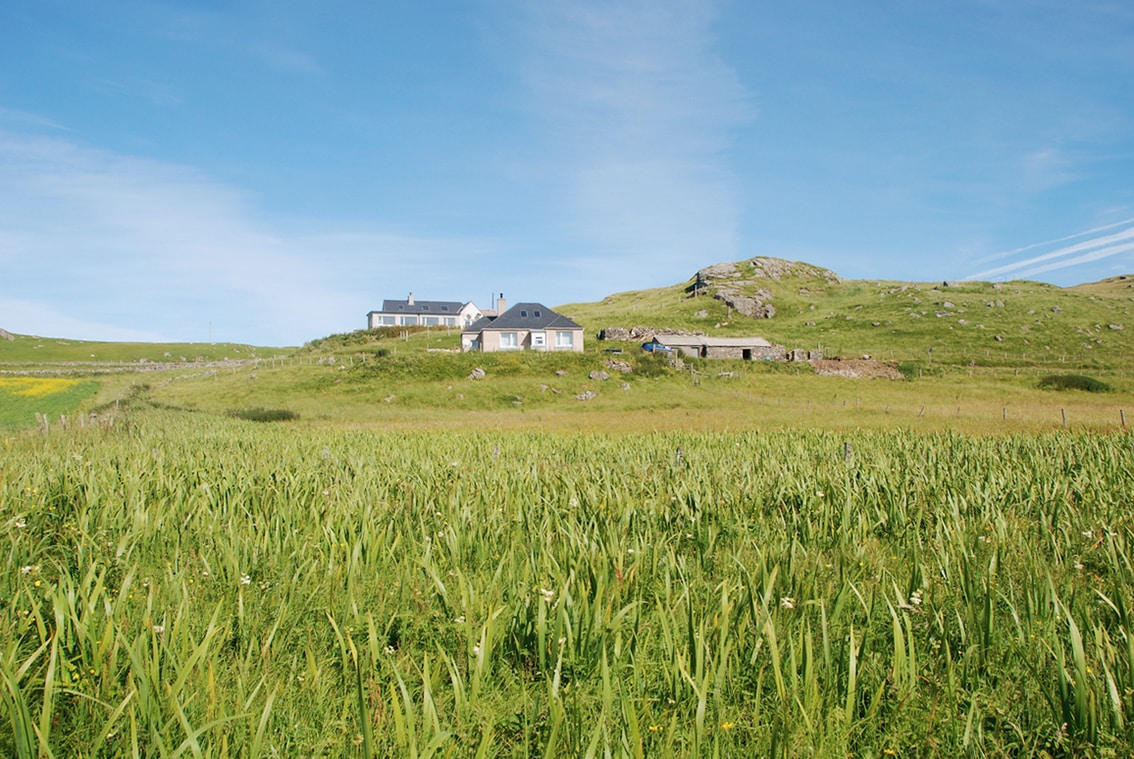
[
  {"x": 511, "y": 301},
  {"x": 277, "y": 170}
]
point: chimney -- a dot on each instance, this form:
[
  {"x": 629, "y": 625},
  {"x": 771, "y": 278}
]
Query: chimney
[
  {"x": 501, "y": 305},
  {"x": 409, "y": 301}
]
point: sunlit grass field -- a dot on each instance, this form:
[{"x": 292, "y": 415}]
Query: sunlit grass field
[
  {"x": 21, "y": 398},
  {"x": 181, "y": 583},
  {"x": 355, "y": 550}
]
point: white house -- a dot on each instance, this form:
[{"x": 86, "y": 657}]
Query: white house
[
  {"x": 423, "y": 313},
  {"x": 524, "y": 326}
]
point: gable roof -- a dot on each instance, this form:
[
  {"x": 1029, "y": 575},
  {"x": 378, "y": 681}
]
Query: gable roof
[
  {"x": 420, "y": 307},
  {"x": 523, "y": 316}
]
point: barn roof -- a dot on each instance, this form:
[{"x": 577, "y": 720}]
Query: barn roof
[{"x": 691, "y": 341}]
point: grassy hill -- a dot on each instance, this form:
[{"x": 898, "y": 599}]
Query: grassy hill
[
  {"x": 975, "y": 356},
  {"x": 31, "y": 349},
  {"x": 1014, "y": 324}
]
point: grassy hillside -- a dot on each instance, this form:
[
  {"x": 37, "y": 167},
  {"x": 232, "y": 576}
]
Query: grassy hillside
[
  {"x": 975, "y": 356},
  {"x": 987, "y": 324},
  {"x": 58, "y": 377},
  {"x": 30, "y": 349}
]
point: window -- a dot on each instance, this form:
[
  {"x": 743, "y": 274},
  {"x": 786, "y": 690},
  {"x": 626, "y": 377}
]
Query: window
[
  {"x": 538, "y": 314},
  {"x": 409, "y": 321},
  {"x": 523, "y": 314},
  {"x": 444, "y": 308},
  {"x": 564, "y": 339},
  {"x": 387, "y": 320},
  {"x": 508, "y": 341},
  {"x": 429, "y": 321},
  {"x": 538, "y": 339}
]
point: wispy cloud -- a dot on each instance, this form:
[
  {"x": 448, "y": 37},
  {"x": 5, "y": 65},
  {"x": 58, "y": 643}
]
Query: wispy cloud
[
  {"x": 1096, "y": 248},
  {"x": 124, "y": 244},
  {"x": 24, "y": 119},
  {"x": 284, "y": 58},
  {"x": 640, "y": 115}
]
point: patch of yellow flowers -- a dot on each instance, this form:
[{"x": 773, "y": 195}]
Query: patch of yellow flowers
[{"x": 35, "y": 387}]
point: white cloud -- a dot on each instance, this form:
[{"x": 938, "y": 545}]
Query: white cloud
[
  {"x": 134, "y": 246},
  {"x": 640, "y": 114}
]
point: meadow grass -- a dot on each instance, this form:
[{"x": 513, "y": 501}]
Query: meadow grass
[
  {"x": 533, "y": 391},
  {"x": 188, "y": 584},
  {"x": 21, "y": 398},
  {"x": 1015, "y": 324},
  {"x": 33, "y": 350}
]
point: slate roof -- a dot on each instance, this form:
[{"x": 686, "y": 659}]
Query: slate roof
[
  {"x": 420, "y": 307},
  {"x": 688, "y": 341},
  {"x": 523, "y": 316}
]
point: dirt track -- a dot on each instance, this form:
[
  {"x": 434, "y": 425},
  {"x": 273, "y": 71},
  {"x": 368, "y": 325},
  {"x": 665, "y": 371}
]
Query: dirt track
[{"x": 856, "y": 368}]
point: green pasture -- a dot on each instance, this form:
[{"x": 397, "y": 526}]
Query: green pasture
[
  {"x": 1014, "y": 324},
  {"x": 411, "y": 389},
  {"x": 21, "y": 398},
  {"x": 182, "y": 583},
  {"x": 30, "y": 350}
]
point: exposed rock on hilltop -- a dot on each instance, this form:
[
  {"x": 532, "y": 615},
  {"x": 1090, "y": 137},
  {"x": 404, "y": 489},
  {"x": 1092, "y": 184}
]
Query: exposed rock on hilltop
[
  {"x": 743, "y": 285},
  {"x": 6, "y": 335}
]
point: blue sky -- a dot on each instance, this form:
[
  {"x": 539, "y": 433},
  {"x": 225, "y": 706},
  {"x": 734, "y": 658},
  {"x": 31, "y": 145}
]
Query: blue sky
[{"x": 268, "y": 172}]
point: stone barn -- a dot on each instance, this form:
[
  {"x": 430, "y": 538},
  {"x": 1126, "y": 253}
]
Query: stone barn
[{"x": 741, "y": 348}]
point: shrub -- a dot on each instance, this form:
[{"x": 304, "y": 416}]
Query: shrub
[
  {"x": 1074, "y": 382},
  {"x": 264, "y": 414}
]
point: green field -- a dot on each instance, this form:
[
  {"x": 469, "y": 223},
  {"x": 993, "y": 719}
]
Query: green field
[
  {"x": 353, "y": 549},
  {"x": 214, "y": 587},
  {"x": 21, "y": 398}
]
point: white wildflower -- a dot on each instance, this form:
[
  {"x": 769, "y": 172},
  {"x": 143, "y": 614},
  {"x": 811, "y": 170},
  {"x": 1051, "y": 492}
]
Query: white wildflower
[
  {"x": 787, "y": 602},
  {"x": 548, "y": 595},
  {"x": 246, "y": 579}
]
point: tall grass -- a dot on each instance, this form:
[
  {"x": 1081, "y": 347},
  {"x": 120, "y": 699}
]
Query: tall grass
[{"x": 186, "y": 585}]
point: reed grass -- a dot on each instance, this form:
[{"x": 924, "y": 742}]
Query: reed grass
[{"x": 187, "y": 585}]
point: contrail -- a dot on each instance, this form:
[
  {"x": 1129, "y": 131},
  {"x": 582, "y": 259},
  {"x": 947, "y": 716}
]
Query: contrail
[
  {"x": 1101, "y": 247},
  {"x": 1035, "y": 245}
]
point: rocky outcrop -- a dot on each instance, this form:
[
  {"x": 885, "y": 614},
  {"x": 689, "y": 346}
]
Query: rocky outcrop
[
  {"x": 742, "y": 287},
  {"x": 6, "y": 335}
]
